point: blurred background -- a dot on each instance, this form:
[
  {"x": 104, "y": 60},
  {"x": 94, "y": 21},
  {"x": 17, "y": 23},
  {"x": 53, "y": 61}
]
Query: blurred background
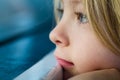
[{"x": 24, "y": 34}]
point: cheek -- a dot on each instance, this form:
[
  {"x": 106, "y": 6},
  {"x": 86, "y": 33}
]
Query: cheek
[
  {"x": 88, "y": 53},
  {"x": 90, "y": 61},
  {"x": 89, "y": 57},
  {"x": 85, "y": 63}
]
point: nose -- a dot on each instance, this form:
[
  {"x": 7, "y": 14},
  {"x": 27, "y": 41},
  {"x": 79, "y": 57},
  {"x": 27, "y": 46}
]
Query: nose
[{"x": 59, "y": 36}]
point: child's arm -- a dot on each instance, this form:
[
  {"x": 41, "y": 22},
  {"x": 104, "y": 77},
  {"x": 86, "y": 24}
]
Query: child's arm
[{"x": 107, "y": 74}]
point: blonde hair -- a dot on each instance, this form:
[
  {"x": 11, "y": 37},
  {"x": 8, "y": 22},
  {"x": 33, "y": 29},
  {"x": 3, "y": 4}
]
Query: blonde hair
[{"x": 104, "y": 16}]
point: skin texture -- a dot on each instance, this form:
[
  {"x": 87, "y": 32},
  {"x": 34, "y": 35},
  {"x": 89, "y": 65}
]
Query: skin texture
[
  {"x": 108, "y": 74},
  {"x": 76, "y": 42}
]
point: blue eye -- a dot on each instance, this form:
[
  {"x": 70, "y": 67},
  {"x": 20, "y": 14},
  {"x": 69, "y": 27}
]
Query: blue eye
[{"x": 82, "y": 18}]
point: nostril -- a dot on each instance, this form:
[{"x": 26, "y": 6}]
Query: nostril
[{"x": 58, "y": 42}]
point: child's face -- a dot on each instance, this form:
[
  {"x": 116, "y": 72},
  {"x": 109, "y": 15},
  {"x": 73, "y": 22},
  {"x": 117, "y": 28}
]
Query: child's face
[{"x": 78, "y": 49}]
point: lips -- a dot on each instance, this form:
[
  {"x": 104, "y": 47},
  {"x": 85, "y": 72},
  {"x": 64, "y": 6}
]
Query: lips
[{"x": 64, "y": 63}]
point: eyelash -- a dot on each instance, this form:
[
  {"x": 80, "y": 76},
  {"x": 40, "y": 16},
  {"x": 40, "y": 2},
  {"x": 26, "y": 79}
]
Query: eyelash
[
  {"x": 80, "y": 16},
  {"x": 60, "y": 12}
]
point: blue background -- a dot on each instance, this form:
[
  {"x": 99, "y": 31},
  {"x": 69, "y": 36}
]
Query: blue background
[{"x": 24, "y": 34}]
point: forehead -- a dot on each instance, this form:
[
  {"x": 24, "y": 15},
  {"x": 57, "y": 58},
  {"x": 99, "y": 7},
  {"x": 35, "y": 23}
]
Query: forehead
[{"x": 73, "y": 2}]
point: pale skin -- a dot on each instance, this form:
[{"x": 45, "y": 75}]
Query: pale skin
[
  {"x": 106, "y": 74},
  {"x": 77, "y": 42}
]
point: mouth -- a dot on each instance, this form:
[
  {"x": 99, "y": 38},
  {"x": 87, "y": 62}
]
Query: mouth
[{"x": 64, "y": 63}]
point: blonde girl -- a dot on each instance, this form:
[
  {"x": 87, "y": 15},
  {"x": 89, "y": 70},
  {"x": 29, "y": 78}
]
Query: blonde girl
[{"x": 87, "y": 36}]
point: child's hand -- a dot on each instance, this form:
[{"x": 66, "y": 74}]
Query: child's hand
[{"x": 107, "y": 74}]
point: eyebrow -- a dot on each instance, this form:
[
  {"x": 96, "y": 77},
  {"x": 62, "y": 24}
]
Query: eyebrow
[
  {"x": 76, "y": 1},
  {"x": 73, "y": 2}
]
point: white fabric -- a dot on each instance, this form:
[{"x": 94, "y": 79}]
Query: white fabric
[{"x": 45, "y": 69}]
